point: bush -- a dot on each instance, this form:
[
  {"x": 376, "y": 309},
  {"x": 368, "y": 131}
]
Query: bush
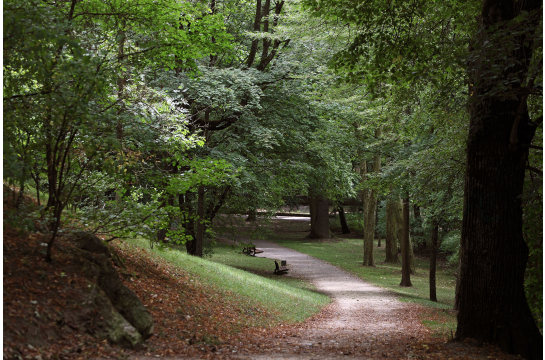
[{"x": 451, "y": 244}]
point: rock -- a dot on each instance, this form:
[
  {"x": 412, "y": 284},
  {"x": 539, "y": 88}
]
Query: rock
[
  {"x": 115, "y": 327},
  {"x": 87, "y": 241},
  {"x": 128, "y": 322}
]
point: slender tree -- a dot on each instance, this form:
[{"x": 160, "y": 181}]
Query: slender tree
[
  {"x": 370, "y": 208},
  {"x": 433, "y": 260},
  {"x": 405, "y": 265}
]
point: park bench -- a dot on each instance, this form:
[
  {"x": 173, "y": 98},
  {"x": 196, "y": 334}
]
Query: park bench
[
  {"x": 251, "y": 250},
  {"x": 282, "y": 269}
]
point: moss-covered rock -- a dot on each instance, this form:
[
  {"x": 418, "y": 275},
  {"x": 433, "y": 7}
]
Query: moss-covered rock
[
  {"x": 129, "y": 323},
  {"x": 114, "y": 326}
]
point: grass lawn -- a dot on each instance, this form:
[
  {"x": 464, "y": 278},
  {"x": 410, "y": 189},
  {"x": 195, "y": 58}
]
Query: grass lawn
[
  {"x": 347, "y": 254},
  {"x": 288, "y": 300}
]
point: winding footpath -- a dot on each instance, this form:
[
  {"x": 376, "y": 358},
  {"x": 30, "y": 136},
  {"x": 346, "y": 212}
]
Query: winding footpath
[{"x": 362, "y": 316}]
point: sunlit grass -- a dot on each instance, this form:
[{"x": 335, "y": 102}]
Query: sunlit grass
[
  {"x": 287, "y": 301},
  {"x": 347, "y": 254}
]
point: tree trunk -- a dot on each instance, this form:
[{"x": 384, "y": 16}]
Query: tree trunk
[
  {"x": 370, "y": 208},
  {"x": 162, "y": 233},
  {"x": 405, "y": 266},
  {"x": 492, "y": 302},
  {"x": 364, "y": 192},
  {"x": 457, "y": 289},
  {"x": 320, "y": 230},
  {"x": 120, "y": 95},
  {"x": 312, "y": 204},
  {"x": 416, "y": 211},
  {"x": 344, "y": 224},
  {"x": 401, "y": 225},
  {"x": 391, "y": 233},
  {"x": 199, "y": 238},
  {"x": 188, "y": 222},
  {"x": 433, "y": 260},
  {"x": 252, "y": 215},
  {"x": 369, "y": 230},
  {"x": 418, "y": 232},
  {"x": 376, "y": 228}
]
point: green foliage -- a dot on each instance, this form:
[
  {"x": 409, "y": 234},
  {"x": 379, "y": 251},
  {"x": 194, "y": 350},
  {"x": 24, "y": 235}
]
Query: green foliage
[{"x": 451, "y": 244}]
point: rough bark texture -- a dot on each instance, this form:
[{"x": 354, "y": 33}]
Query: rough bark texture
[
  {"x": 405, "y": 266},
  {"x": 492, "y": 303},
  {"x": 400, "y": 226},
  {"x": 433, "y": 261},
  {"x": 320, "y": 229},
  {"x": 391, "y": 233},
  {"x": 369, "y": 230}
]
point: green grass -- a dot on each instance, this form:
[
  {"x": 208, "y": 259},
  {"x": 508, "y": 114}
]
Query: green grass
[
  {"x": 347, "y": 254},
  {"x": 232, "y": 256},
  {"x": 289, "y": 301}
]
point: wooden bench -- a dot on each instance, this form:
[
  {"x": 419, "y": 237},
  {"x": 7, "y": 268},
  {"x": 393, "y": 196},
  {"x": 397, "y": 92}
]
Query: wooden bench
[
  {"x": 282, "y": 269},
  {"x": 251, "y": 250}
]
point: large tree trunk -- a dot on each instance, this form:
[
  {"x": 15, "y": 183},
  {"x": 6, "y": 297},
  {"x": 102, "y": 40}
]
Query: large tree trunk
[
  {"x": 405, "y": 266},
  {"x": 433, "y": 260},
  {"x": 492, "y": 302},
  {"x": 320, "y": 229},
  {"x": 391, "y": 233},
  {"x": 401, "y": 226}
]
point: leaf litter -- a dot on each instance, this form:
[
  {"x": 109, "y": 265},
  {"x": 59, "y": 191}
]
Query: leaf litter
[{"x": 44, "y": 317}]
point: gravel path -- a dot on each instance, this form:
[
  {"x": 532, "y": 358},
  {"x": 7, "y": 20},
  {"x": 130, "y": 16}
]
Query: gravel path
[{"x": 361, "y": 316}]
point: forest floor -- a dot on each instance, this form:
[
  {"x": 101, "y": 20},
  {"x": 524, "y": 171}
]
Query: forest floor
[{"x": 43, "y": 317}]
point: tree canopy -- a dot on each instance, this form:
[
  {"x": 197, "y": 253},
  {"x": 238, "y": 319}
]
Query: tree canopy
[{"x": 164, "y": 119}]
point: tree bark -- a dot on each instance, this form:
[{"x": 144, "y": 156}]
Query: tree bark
[
  {"x": 342, "y": 218},
  {"x": 492, "y": 302},
  {"x": 405, "y": 266},
  {"x": 433, "y": 260},
  {"x": 369, "y": 230},
  {"x": 320, "y": 230},
  {"x": 370, "y": 208},
  {"x": 391, "y": 233},
  {"x": 401, "y": 225}
]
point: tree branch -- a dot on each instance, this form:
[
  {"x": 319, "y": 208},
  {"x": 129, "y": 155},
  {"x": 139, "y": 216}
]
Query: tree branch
[{"x": 536, "y": 170}]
